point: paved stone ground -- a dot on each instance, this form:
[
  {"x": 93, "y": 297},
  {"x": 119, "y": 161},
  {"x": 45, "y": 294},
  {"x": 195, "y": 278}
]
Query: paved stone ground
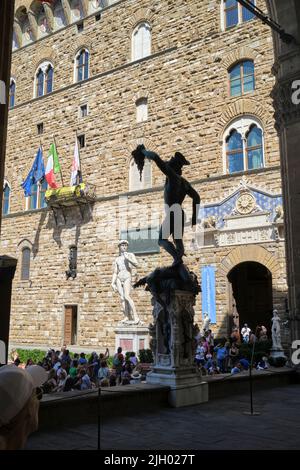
[{"x": 217, "y": 425}]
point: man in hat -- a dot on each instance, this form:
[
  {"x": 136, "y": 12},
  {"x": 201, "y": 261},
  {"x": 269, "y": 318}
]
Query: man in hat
[
  {"x": 121, "y": 281},
  {"x": 175, "y": 190}
]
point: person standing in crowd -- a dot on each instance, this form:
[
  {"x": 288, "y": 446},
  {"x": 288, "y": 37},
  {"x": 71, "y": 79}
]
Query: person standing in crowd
[{"x": 245, "y": 332}]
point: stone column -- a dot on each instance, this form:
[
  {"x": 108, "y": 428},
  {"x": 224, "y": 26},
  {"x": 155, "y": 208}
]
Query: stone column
[
  {"x": 49, "y": 15},
  {"x": 67, "y": 10},
  {"x": 33, "y": 24},
  {"x": 173, "y": 345},
  {"x": 6, "y": 32}
]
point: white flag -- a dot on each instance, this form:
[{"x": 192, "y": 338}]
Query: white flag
[{"x": 76, "y": 172}]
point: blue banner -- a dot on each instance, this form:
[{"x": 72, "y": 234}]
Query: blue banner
[{"x": 208, "y": 285}]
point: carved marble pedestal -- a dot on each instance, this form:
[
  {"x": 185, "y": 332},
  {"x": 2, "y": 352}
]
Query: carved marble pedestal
[
  {"x": 173, "y": 347},
  {"x": 132, "y": 337}
]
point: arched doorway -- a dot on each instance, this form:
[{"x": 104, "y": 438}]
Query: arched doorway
[{"x": 251, "y": 284}]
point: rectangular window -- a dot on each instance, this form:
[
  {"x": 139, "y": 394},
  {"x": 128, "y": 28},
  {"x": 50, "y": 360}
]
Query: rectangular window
[
  {"x": 71, "y": 324},
  {"x": 83, "y": 110},
  {"x": 142, "y": 241},
  {"x": 40, "y": 128},
  {"x": 81, "y": 141},
  {"x": 98, "y": 17}
]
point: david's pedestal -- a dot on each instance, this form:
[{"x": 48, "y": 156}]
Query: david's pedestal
[
  {"x": 131, "y": 337},
  {"x": 173, "y": 345}
]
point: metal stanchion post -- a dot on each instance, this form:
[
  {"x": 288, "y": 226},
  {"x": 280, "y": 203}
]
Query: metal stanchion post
[{"x": 251, "y": 412}]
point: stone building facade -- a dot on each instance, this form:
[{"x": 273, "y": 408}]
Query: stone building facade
[{"x": 189, "y": 76}]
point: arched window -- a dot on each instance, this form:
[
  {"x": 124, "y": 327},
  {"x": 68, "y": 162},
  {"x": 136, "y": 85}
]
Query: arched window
[
  {"x": 12, "y": 93},
  {"x": 76, "y": 10},
  {"x": 141, "y": 41},
  {"x": 243, "y": 146},
  {"x": 49, "y": 80},
  {"x": 6, "y": 197},
  {"x": 37, "y": 198},
  {"x": 59, "y": 16},
  {"x": 82, "y": 66},
  {"x": 25, "y": 267},
  {"x": 233, "y": 13},
  {"x": 234, "y": 152},
  {"x": 44, "y": 79},
  {"x": 242, "y": 78},
  {"x": 254, "y": 148},
  {"x": 142, "y": 110},
  {"x": 135, "y": 183}
]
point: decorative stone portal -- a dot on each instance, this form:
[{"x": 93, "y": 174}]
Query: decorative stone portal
[{"x": 173, "y": 345}]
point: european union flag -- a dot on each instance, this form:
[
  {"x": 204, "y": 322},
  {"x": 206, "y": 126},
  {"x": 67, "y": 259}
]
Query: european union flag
[{"x": 36, "y": 173}]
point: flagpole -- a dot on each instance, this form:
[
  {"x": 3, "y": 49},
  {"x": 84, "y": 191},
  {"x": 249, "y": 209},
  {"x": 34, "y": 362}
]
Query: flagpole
[
  {"x": 62, "y": 180},
  {"x": 78, "y": 156}
]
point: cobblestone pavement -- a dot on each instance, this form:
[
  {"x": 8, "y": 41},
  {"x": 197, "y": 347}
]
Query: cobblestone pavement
[{"x": 217, "y": 425}]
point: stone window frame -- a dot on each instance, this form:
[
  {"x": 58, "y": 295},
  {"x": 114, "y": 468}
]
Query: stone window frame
[
  {"x": 242, "y": 124},
  {"x": 75, "y": 73},
  {"x": 6, "y": 185},
  {"x": 240, "y": 17},
  {"x": 135, "y": 29},
  {"x": 44, "y": 67}
]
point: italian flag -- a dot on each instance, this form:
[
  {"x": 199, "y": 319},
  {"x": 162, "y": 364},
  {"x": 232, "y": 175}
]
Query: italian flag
[{"x": 52, "y": 167}]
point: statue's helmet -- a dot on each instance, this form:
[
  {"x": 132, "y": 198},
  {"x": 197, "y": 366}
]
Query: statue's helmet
[{"x": 177, "y": 162}]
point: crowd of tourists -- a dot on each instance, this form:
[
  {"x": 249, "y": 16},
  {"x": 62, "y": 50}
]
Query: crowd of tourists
[
  {"x": 68, "y": 372},
  {"x": 225, "y": 356},
  {"x": 79, "y": 372}
]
